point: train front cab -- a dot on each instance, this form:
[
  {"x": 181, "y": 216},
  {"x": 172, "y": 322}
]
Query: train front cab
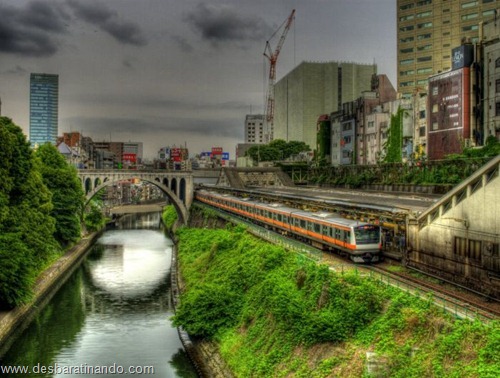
[{"x": 367, "y": 239}]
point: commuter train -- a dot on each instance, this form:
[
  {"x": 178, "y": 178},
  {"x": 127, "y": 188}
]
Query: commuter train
[{"x": 359, "y": 241}]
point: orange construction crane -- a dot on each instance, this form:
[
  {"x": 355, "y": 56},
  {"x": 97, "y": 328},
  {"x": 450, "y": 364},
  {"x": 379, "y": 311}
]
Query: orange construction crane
[{"x": 273, "y": 58}]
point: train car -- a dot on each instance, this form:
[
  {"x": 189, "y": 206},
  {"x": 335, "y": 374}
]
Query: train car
[{"x": 359, "y": 241}]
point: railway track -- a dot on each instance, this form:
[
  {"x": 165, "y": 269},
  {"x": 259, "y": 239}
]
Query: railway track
[{"x": 463, "y": 304}]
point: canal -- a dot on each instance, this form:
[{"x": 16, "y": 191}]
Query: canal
[{"x": 112, "y": 314}]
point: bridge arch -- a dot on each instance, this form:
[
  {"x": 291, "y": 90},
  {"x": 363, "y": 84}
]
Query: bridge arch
[
  {"x": 177, "y": 186},
  {"x": 179, "y": 206}
]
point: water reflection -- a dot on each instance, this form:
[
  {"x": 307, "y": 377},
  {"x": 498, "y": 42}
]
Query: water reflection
[{"x": 113, "y": 310}]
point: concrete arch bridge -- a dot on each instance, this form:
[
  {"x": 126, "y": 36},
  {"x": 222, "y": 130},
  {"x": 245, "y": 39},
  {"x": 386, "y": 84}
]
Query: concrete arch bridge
[{"x": 177, "y": 185}]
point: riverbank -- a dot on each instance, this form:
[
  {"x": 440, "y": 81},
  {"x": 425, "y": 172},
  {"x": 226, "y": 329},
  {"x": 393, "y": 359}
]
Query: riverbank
[{"x": 13, "y": 322}]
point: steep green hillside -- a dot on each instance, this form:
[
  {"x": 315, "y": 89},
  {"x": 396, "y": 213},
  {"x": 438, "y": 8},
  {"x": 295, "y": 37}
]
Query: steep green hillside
[{"x": 276, "y": 314}]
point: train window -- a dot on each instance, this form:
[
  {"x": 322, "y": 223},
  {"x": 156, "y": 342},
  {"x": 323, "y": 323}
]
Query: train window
[
  {"x": 347, "y": 236},
  {"x": 302, "y": 223},
  {"x": 317, "y": 228},
  {"x": 338, "y": 234},
  {"x": 280, "y": 217},
  {"x": 310, "y": 226},
  {"x": 285, "y": 219}
]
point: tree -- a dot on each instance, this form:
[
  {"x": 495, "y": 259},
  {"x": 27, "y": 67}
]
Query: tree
[
  {"x": 67, "y": 193},
  {"x": 26, "y": 227},
  {"x": 277, "y": 149}
]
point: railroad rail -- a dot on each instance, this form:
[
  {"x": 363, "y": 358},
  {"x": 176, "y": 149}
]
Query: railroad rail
[{"x": 460, "y": 304}]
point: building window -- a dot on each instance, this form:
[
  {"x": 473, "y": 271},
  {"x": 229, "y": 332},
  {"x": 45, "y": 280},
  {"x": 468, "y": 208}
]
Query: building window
[
  {"x": 405, "y": 18},
  {"x": 424, "y": 36},
  {"x": 424, "y": 47},
  {"x": 406, "y": 61},
  {"x": 423, "y": 2},
  {"x": 421, "y": 131},
  {"x": 497, "y": 86},
  {"x": 421, "y": 114},
  {"x": 406, "y": 51},
  {"x": 425, "y": 25},
  {"x": 435, "y": 109},
  {"x": 406, "y": 6},
  {"x": 422, "y": 82},
  {"x": 406, "y": 28},
  {"x": 424, "y": 70},
  {"x": 470, "y": 27},
  {"x": 469, "y": 16},
  {"x": 407, "y": 83},
  {"x": 371, "y": 124},
  {"x": 497, "y": 63},
  {"x": 497, "y": 109},
  {"x": 407, "y": 39},
  {"x": 469, "y": 4},
  {"x": 424, "y": 59},
  {"x": 490, "y": 12},
  {"x": 405, "y": 73},
  {"x": 424, "y": 14}
]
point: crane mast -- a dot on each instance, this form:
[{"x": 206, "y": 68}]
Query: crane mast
[{"x": 272, "y": 56}]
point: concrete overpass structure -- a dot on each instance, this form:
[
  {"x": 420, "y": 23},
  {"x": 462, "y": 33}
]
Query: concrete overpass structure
[{"x": 178, "y": 186}]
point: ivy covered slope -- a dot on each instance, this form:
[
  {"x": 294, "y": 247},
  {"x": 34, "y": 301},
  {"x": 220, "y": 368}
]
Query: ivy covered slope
[{"x": 275, "y": 314}]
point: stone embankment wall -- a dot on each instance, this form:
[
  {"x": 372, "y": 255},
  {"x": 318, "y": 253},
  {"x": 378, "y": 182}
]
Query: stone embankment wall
[{"x": 13, "y": 322}]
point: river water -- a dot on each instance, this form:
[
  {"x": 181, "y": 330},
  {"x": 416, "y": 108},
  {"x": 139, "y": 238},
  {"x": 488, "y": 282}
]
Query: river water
[{"x": 112, "y": 315}]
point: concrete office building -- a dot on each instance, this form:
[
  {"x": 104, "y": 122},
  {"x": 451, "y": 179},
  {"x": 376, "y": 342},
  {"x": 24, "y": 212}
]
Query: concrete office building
[
  {"x": 313, "y": 89},
  {"x": 44, "y": 108},
  {"x": 427, "y": 31},
  {"x": 254, "y": 128}
]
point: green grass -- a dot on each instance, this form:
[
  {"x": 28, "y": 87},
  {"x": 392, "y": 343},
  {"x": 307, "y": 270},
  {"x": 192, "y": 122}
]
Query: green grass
[{"x": 276, "y": 315}]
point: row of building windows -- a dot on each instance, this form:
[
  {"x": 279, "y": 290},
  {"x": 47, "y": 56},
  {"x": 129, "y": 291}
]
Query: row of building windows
[{"x": 419, "y": 26}]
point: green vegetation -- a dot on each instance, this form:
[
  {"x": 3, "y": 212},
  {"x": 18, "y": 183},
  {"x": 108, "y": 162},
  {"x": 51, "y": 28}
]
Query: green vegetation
[
  {"x": 395, "y": 138},
  {"x": 169, "y": 216},
  {"x": 275, "y": 314},
  {"x": 31, "y": 226},
  {"x": 67, "y": 194},
  {"x": 93, "y": 218},
  {"x": 276, "y": 150}
]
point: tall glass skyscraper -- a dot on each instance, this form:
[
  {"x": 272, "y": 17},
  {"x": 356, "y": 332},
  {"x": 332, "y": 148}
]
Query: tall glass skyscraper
[{"x": 44, "y": 108}]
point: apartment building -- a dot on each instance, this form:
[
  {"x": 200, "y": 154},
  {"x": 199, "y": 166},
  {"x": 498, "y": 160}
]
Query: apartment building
[{"x": 428, "y": 30}]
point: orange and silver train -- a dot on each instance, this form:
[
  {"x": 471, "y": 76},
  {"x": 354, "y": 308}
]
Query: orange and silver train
[{"x": 360, "y": 241}]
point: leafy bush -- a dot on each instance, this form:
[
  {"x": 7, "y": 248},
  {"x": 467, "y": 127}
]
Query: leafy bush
[{"x": 169, "y": 216}]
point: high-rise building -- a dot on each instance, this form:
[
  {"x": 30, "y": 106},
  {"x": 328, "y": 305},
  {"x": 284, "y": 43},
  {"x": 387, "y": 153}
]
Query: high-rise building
[
  {"x": 313, "y": 89},
  {"x": 254, "y": 128},
  {"x": 428, "y": 30},
  {"x": 44, "y": 108}
]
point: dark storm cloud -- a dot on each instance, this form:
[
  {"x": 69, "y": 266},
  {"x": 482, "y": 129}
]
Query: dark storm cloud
[
  {"x": 33, "y": 30},
  {"x": 107, "y": 20},
  {"x": 224, "y": 24}
]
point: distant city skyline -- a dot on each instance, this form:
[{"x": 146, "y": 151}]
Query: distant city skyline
[{"x": 166, "y": 72}]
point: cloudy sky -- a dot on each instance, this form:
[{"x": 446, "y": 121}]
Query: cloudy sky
[{"x": 168, "y": 72}]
